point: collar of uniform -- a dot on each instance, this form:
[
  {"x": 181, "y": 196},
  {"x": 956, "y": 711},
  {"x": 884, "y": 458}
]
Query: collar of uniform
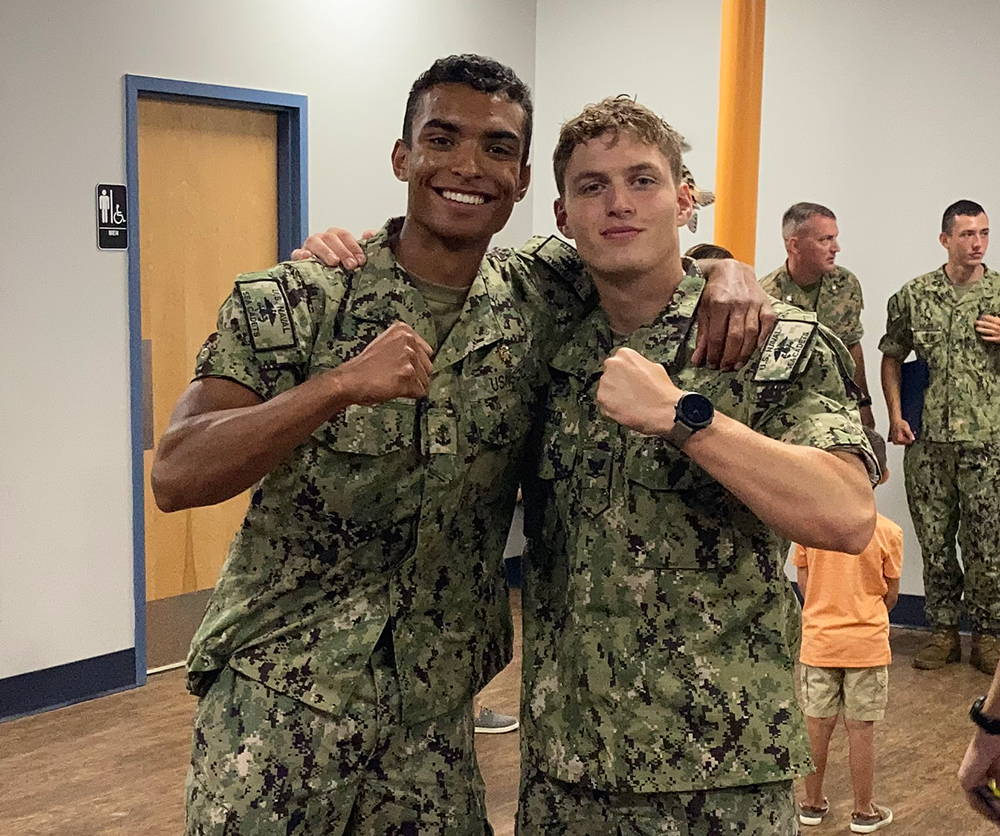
[
  {"x": 660, "y": 341},
  {"x": 489, "y": 315},
  {"x": 583, "y": 356},
  {"x": 381, "y": 293},
  {"x": 785, "y": 288},
  {"x": 785, "y": 276},
  {"x": 789, "y": 283},
  {"x": 945, "y": 289}
]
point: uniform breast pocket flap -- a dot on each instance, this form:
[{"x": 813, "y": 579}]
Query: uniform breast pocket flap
[
  {"x": 372, "y": 430},
  {"x": 675, "y": 509},
  {"x": 927, "y": 338},
  {"x": 657, "y": 465}
]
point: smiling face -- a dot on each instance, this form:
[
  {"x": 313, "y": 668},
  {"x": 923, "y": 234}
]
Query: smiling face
[
  {"x": 464, "y": 166},
  {"x": 622, "y": 207}
]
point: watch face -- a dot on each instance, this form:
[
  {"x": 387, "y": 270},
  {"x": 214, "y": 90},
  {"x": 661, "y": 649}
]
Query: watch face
[{"x": 697, "y": 410}]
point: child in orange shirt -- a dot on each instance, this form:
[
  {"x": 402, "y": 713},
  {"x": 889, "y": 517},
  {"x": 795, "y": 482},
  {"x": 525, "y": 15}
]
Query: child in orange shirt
[{"x": 845, "y": 656}]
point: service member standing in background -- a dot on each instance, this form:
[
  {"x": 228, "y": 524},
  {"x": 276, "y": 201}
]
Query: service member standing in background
[
  {"x": 951, "y": 319},
  {"x": 811, "y": 279}
]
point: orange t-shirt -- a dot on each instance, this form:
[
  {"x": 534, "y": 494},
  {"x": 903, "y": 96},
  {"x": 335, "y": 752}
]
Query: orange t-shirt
[{"x": 844, "y": 620}]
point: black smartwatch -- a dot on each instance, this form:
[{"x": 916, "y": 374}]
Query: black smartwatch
[
  {"x": 693, "y": 412},
  {"x": 865, "y": 401},
  {"x": 990, "y": 725}
]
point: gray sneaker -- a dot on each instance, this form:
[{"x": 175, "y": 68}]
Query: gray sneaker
[
  {"x": 879, "y": 818},
  {"x": 813, "y": 815},
  {"x": 489, "y": 722}
]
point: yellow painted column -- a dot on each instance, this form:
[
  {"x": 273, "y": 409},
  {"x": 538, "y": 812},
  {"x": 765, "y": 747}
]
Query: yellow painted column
[{"x": 738, "y": 158}]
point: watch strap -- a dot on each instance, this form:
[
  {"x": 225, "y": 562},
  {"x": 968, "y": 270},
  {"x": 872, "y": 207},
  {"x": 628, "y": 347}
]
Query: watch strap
[
  {"x": 679, "y": 434},
  {"x": 990, "y": 725}
]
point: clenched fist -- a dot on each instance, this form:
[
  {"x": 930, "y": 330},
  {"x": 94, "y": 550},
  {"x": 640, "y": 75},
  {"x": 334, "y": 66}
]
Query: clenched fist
[
  {"x": 396, "y": 364},
  {"x": 637, "y": 393}
]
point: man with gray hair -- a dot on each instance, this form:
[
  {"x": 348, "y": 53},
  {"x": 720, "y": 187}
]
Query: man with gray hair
[{"x": 810, "y": 279}]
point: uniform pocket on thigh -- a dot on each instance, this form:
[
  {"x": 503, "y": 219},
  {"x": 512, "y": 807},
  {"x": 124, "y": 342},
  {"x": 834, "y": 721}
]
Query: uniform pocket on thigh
[{"x": 204, "y": 814}]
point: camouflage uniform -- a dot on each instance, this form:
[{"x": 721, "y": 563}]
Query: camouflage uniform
[
  {"x": 656, "y": 661},
  {"x": 838, "y": 305},
  {"x": 953, "y": 471},
  {"x": 386, "y": 526}
]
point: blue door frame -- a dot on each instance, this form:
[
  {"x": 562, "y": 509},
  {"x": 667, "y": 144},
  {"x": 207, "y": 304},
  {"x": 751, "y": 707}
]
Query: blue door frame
[{"x": 292, "y": 224}]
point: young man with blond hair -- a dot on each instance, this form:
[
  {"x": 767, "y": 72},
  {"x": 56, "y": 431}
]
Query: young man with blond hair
[{"x": 658, "y": 693}]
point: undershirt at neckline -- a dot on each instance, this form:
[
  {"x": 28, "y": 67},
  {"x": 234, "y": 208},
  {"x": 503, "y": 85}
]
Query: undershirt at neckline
[{"x": 445, "y": 303}]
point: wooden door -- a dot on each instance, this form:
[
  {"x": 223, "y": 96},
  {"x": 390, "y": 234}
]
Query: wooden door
[{"x": 207, "y": 212}]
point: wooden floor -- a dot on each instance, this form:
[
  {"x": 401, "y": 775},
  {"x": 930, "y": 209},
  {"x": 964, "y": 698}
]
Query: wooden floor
[{"x": 116, "y": 765}]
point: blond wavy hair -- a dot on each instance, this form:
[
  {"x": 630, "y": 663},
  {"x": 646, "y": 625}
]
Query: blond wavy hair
[{"x": 612, "y": 116}]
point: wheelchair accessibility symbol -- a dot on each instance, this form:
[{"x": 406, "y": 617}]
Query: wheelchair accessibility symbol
[{"x": 112, "y": 217}]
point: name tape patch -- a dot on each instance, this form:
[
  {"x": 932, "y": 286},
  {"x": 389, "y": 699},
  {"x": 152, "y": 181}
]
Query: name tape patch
[
  {"x": 268, "y": 314},
  {"x": 787, "y": 344}
]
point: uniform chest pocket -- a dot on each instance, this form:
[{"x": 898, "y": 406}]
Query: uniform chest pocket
[
  {"x": 498, "y": 425},
  {"x": 927, "y": 341},
  {"x": 365, "y": 466},
  {"x": 371, "y": 430},
  {"x": 656, "y": 464},
  {"x": 499, "y": 408},
  {"x": 676, "y": 513}
]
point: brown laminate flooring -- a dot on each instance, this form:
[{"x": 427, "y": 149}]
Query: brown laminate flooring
[{"x": 116, "y": 765}]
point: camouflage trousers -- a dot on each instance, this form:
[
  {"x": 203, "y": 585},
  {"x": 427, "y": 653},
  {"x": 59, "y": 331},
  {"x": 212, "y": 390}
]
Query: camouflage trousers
[
  {"x": 264, "y": 763},
  {"x": 550, "y": 807},
  {"x": 954, "y": 489}
]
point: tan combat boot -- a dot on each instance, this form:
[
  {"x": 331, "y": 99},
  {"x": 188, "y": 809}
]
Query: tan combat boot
[
  {"x": 943, "y": 647},
  {"x": 985, "y": 653}
]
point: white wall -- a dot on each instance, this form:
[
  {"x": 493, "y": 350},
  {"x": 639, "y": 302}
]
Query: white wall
[
  {"x": 880, "y": 110},
  {"x": 664, "y": 52},
  {"x": 885, "y": 113},
  {"x": 65, "y": 473}
]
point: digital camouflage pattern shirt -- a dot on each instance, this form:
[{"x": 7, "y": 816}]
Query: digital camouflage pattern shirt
[
  {"x": 655, "y": 651},
  {"x": 389, "y": 515},
  {"x": 927, "y": 316},
  {"x": 837, "y": 305}
]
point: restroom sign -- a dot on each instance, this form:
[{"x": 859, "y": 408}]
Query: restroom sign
[{"x": 112, "y": 217}]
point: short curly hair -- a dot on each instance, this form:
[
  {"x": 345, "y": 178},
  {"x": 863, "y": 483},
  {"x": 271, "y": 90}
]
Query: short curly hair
[
  {"x": 612, "y": 116},
  {"x": 475, "y": 71}
]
